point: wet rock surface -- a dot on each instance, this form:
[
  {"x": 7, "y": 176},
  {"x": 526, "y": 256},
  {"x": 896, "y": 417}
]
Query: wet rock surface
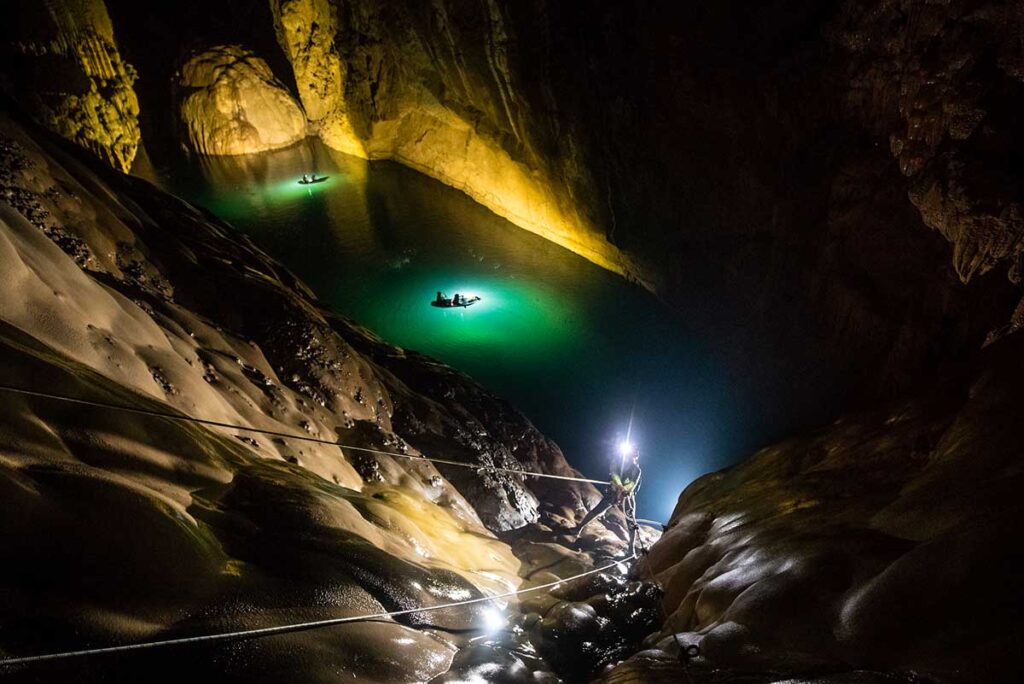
[{"x": 576, "y": 629}]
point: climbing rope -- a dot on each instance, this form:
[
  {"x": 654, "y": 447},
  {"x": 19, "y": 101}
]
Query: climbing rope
[
  {"x": 686, "y": 652},
  {"x": 296, "y": 627},
  {"x": 286, "y": 435}
]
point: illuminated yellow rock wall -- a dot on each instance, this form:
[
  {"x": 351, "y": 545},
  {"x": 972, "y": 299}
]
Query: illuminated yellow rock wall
[
  {"x": 305, "y": 30},
  {"x": 65, "y": 70},
  {"x": 435, "y": 142},
  {"x": 374, "y": 85}
]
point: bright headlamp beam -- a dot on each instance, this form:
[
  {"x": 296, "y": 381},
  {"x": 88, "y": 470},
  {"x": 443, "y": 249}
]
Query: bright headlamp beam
[{"x": 493, "y": 620}]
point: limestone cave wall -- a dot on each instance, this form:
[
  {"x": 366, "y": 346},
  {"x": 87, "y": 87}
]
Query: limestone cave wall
[
  {"x": 61, "y": 61},
  {"x": 440, "y": 87}
]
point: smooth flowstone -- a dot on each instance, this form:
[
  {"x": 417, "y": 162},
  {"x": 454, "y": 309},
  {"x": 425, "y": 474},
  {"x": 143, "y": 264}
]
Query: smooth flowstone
[{"x": 231, "y": 103}]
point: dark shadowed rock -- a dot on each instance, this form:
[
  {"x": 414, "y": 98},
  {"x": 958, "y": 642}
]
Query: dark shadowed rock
[{"x": 887, "y": 541}]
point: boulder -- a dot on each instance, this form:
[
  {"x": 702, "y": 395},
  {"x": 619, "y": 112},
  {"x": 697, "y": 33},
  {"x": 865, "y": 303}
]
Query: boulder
[{"x": 231, "y": 103}]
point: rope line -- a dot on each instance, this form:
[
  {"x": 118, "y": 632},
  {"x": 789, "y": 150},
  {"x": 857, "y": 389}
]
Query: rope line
[
  {"x": 286, "y": 435},
  {"x": 686, "y": 653},
  {"x": 295, "y": 627}
]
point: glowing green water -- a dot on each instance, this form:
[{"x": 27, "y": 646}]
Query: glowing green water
[{"x": 571, "y": 345}]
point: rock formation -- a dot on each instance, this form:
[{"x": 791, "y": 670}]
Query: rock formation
[
  {"x": 886, "y": 542},
  {"x": 232, "y": 104},
  {"x": 61, "y": 62},
  {"x": 942, "y": 82},
  {"x": 438, "y": 93},
  {"x": 306, "y": 30}
]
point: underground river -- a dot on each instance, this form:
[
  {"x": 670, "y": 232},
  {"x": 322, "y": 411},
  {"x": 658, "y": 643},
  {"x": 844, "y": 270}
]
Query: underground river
[{"x": 576, "y": 348}]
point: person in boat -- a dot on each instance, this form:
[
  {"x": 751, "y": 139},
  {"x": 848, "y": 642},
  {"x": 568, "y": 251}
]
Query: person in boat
[
  {"x": 621, "y": 492},
  {"x": 457, "y": 299},
  {"x": 305, "y": 178},
  {"x": 441, "y": 299}
]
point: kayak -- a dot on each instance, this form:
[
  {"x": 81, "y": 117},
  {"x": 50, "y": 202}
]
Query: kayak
[
  {"x": 449, "y": 304},
  {"x": 321, "y": 179}
]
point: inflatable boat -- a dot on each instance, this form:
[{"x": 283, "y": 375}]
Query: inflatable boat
[{"x": 446, "y": 303}]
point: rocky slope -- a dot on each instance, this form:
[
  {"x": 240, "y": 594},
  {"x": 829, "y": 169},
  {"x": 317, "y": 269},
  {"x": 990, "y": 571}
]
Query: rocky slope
[
  {"x": 886, "y": 542},
  {"x": 62, "y": 63},
  {"x": 124, "y": 527}
]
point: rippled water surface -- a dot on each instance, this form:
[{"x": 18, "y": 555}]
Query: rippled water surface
[{"x": 576, "y": 348}]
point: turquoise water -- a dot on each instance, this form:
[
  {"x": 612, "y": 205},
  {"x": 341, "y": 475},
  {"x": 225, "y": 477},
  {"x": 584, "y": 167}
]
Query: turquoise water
[{"x": 576, "y": 348}]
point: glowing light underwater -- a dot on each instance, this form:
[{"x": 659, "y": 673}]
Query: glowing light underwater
[{"x": 533, "y": 317}]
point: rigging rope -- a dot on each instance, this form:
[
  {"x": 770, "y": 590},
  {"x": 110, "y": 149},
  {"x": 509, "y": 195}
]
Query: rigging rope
[
  {"x": 295, "y": 627},
  {"x": 287, "y": 435}
]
